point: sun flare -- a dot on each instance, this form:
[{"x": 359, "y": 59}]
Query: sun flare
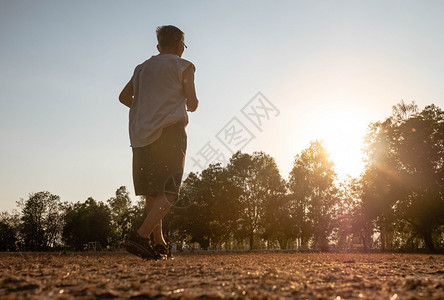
[{"x": 342, "y": 133}]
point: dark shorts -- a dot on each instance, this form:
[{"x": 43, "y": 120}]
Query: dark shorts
[{"x": 158, "y": 167}]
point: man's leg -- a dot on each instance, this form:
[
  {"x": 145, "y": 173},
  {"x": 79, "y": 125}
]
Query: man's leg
[
  {"x": 161, "y": 205},
  {"x": 158, "y": 235},
  {"x": 157, "y": 232}
]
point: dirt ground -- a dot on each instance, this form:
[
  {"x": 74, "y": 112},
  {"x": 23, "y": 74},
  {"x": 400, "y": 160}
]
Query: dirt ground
[{"x": 229, "y": 275}]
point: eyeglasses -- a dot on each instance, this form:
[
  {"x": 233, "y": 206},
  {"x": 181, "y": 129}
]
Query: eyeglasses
[{"x": 185, "y": 46}]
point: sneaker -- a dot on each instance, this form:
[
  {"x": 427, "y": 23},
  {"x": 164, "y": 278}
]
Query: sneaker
[
  {"x": 164, "y": 251},
  {"x": 140, "y": 247}
]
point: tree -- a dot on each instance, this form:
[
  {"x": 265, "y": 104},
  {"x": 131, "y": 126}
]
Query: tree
[
  {"x": 42, "y": 220},
  {"x": 404, "y": 176},
  {"x": 193, "y": 219},
  {"x": 313, "y": 194},
  {"x": 381, "y": 182},
  {"x": 279, "y": 221},
  {"x": 258, "y": 179},
  {"x": 8, "y": 232},
  {"x": 420, "y": 150},
  {"x": 207, "y": 211},
  {"x": 87, "y": 222},
  {"x": 353, "y": 224},
  {"x": 121, "y": 214}
]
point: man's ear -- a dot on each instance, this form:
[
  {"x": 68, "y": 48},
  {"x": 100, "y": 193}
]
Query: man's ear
[{"x": 158, "y": 48}]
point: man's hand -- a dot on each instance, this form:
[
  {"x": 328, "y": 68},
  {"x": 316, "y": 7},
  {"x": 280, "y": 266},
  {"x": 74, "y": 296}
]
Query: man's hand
[
  {"x": 189, "y": 89},
  {"x": 127, "y": 94}
]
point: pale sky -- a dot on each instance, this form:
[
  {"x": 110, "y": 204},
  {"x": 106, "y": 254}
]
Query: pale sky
[{"x": 329, "y": 68}]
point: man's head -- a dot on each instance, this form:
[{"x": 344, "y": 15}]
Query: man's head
[{"x": 170, "y": 40}]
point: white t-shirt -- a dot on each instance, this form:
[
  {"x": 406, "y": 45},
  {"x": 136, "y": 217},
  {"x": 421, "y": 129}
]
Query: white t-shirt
[{"x": 159, "y": 99}]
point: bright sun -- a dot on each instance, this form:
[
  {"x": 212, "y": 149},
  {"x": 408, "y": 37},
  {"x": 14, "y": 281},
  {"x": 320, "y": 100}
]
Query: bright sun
[{"x": 342, "y": 133}]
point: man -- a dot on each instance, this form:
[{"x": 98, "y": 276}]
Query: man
[{"x": 159, "y": 94}]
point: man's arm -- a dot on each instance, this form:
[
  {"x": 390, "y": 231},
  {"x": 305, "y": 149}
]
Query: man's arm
[
  {"x": 189, "y": 89},
  {"x": 126, "y": 96}
]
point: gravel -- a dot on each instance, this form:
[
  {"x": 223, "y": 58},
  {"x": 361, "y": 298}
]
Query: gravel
[{"x": 120, "y": 275}]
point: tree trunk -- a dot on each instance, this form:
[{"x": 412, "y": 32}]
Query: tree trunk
[
  {"x": 323, "y": 243},
  {"x": 382, "y": 236},
  {"x": 302, "y": 244},
  {"x": 251, "y": 241},
  {"x": 283, "y": 243},
  {"x": 204, "y": 243},
  {"x": 428, "y": 240},
  {"x": 364, "y": 244}
]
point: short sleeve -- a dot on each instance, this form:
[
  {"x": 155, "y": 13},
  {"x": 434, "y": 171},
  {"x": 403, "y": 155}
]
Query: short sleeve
[{"x": 182, "y": 65}]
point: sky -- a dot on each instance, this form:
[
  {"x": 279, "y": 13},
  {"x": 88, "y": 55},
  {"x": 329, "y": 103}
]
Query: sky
[{"x": 305, "y": 70}]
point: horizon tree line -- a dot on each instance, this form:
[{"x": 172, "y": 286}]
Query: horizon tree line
[{"x": 396, "y": 204}]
